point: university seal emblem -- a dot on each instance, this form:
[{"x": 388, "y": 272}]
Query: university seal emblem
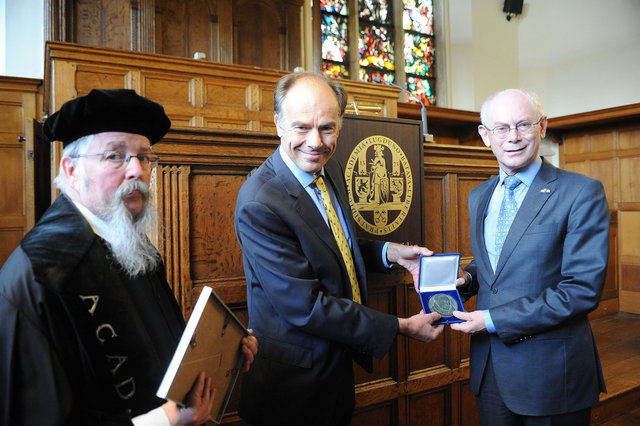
[{"x": 380, "y": 185}]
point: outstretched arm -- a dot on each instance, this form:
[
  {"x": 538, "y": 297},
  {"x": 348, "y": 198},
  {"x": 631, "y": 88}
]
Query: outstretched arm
[{"x": 408, "y": 257}]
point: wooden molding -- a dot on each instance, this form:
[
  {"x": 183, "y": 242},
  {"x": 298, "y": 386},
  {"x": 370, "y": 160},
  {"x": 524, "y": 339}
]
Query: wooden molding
[
  {"x": 625, "y": 113},
  {"x": 455, "y": 158}
]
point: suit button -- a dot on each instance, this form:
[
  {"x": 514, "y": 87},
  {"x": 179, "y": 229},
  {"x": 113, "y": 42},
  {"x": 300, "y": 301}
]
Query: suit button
[{"x": 494, "y": 290}]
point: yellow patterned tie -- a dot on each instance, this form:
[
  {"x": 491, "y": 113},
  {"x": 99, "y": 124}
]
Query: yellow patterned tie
[{"x": 341, "y": 240}]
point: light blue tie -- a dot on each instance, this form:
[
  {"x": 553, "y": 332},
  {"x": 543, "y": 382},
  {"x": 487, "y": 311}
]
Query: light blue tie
[{"x": 508, "y": 211}]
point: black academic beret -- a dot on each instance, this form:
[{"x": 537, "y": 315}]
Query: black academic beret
[{"x": 116, "y": 110}]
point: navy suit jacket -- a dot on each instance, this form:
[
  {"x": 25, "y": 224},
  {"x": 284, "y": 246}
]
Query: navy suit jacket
[
  {"x": 299, "y": 298},
  {"x": 548, "y": 278}
]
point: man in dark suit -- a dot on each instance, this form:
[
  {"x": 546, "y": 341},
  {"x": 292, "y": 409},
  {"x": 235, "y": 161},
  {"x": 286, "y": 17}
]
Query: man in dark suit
[
  {"x": 303, "y": 302},
  {"x": 537, "y": 276}
]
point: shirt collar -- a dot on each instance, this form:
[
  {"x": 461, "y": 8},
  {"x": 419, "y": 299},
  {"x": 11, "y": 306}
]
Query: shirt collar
[
  {"x": 99, "y": 226},
  {"x": 303, "y": 177},
  {"x": 526, "y": 175}
]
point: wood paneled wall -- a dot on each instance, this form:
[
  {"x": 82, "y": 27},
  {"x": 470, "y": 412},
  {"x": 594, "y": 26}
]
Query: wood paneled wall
[
  {"x": 264, "y": 33},
  {"x": 605, "y": 144}
]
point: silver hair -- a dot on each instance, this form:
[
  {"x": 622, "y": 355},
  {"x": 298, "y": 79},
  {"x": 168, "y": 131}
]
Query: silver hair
[
  {"x": 531, "y": 96},
  {"x": 79, "y": 146}
]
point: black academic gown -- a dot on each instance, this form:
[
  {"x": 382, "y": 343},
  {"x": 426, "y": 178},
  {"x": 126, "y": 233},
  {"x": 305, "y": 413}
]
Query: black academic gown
[{"x": 80, "y": 342}]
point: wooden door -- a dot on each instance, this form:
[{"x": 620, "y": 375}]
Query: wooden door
[{"x": 17, "y": 102}]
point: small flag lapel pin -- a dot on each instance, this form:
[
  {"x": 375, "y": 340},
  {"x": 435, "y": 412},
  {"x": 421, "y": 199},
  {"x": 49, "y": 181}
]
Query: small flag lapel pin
[{"x": 545, "y": 190}]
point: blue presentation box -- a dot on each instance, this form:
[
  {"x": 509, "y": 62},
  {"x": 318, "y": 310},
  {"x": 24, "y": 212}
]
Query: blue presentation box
[{"x": 437, "y": 286}]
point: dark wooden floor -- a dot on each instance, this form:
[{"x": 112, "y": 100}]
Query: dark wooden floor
[{"x": 618, "y": 340}]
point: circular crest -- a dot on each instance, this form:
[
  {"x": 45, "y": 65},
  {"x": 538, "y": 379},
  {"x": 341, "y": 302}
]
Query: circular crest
[{"x": 380, "y": 184}]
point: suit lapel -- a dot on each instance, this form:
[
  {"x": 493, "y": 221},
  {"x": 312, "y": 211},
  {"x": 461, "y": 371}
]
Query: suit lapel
[
  {"x": 304, "y": 205},
  {"x": 482, "y": 205},
  {"x": 541, "y": 189}
]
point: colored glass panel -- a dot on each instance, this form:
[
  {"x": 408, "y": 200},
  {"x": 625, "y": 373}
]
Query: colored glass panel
[
  {"x": 334, "y": 38},
  {"x": 368, "y": 75},
  {"x": 335, "y": 6},
  {"x": 375, "y": 10},
  {"x": 376, "y": 47},
  {"x": 418, "y": 54},
  {"x": 422, "y": 88},
  {"x": 417, "y": 16},
  {"x": 335, "y": 70}
]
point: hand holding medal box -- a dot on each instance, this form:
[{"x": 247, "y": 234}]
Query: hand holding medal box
[{"x": 437, "y": 286}]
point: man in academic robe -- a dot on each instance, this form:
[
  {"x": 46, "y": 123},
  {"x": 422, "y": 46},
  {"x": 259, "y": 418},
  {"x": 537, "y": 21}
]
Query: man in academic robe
[{"x": 89, "y": 323}]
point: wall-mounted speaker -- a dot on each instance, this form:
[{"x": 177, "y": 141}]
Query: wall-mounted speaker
[{"x": 512, "y": 8}]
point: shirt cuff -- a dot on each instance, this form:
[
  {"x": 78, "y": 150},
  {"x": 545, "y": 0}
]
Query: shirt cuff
[
  {"x": 155, "y": 417},
  {"x": 488, "y": 322},
  {"x": 385, "y": 262}
]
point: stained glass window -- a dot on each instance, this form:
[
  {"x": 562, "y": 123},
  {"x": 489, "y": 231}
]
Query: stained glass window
[
  {"x": 335, "y": 46},
  {"x": 417, "y": 16},
  {"x": 375, "y": 10},
  {"x": 337, "y": 6},
  {"x": 369, "y": 76},
  {"x": 421, "y": 87},
  {"x": 417, "y": 21},
  {"x": 418, "y": 54},
  {"x": 376, "y": 57},
  {"x": 375, "y": 45}
]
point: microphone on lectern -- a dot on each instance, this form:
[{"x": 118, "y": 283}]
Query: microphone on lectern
[{"x": 423, "y": 110}]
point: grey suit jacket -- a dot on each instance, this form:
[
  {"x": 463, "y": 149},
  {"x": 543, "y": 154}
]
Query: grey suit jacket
[{"x": 548, "y": 278}]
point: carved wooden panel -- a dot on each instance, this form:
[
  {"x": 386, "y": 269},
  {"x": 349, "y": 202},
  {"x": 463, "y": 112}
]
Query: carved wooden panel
[
  {"x": 103, "y": 23},
  {"x": 171, "y": 196},
  {"x": 425, "y": 408},
  {"x": 215, "y": 253}
]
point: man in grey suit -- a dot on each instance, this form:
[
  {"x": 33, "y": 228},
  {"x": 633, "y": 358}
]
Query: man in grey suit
[{"x": 540, "y": 241}]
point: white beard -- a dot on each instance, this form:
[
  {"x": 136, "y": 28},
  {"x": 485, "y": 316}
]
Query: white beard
[{"x": 127, "y": 237}]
